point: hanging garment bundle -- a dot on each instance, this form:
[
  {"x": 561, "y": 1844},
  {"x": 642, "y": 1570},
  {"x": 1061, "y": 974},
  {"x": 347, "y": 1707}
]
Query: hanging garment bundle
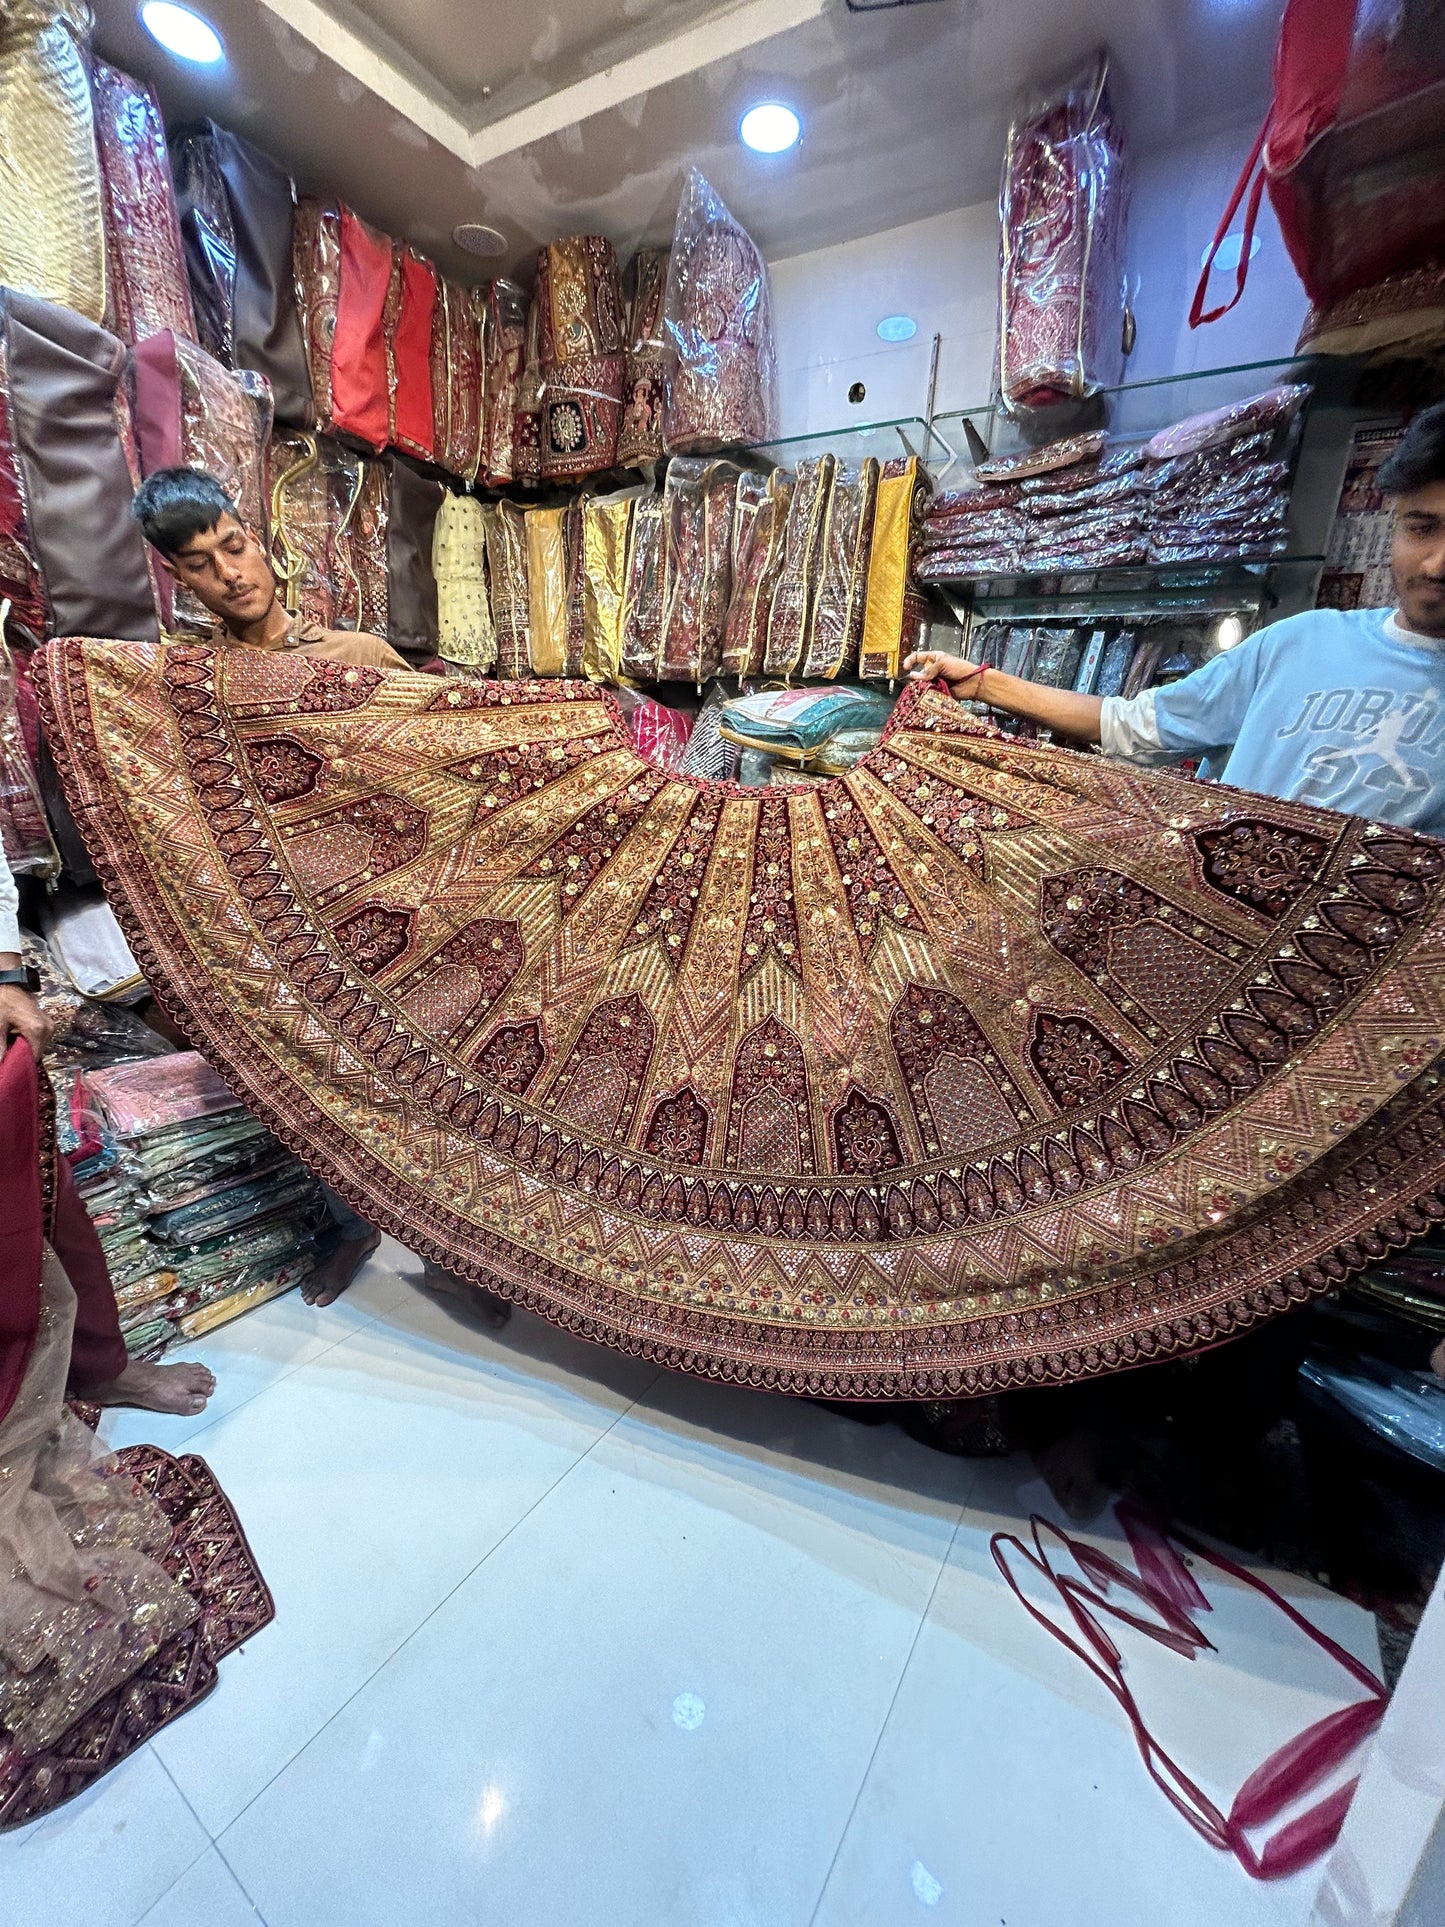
[
  {"x": 145, "y": 258},
  {"x": 408, "y": 321},
  {"x": 506, "y": 343},
  {"x": 459, "y": 553},
  {"x": 457, "y": 378},
  {"x": 581, "y": 351},
  {"x": 644, "y": 386},
  {"x": 717, "y": 309}
]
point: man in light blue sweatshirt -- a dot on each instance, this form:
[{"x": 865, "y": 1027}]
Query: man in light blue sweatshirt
[{"x": 1341, "y": 708}]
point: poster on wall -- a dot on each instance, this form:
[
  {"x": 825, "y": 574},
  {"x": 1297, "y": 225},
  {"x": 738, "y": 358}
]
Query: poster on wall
[{"x": 1356, "y": 574}]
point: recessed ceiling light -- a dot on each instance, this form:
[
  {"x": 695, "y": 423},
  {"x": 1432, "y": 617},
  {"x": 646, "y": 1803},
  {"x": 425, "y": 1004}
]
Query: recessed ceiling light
[
  {"x": 182, "y": 32},
  {"x": 897, "y": 327},
  {"x": 769, "y": 128},
  {"x": 1230, "y": 249},
  {"x": 477, "y": 238}
]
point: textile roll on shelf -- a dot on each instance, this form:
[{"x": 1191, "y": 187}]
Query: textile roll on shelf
[{"x": 983, "y": 1064}]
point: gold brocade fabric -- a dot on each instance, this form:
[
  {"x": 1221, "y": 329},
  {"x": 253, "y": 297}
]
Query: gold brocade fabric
[
  {"x": 547, "y": 589},
  {"x": 84, "y": 1602},
  {"x": 464, "y": 617},
  {"x": 606, "y": 522},
  {"x": 886, "y": 627},
  {"x": 52, "y": 229},
  {"x": 984, "y": 1064}
]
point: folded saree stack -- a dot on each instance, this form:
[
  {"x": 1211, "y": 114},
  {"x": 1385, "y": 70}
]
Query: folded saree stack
[{"x": 984, "y": 1063}]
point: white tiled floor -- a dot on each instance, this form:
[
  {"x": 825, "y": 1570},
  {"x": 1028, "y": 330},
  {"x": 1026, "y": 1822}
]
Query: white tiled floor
[{"x": 561, "y": 1640}]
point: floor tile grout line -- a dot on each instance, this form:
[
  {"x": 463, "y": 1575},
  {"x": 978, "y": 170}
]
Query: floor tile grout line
[
  {"x": 892, "y": 1703},
  {"x": 250, "y": 1901},
  {"x": 211, "y": 1846},
  {"x": 427, "y": 1617}
]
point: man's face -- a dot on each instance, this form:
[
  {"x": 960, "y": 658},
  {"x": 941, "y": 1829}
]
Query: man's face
[
  {"x": 226, "y": 569},
  {"x": 1417, "y": 555}
]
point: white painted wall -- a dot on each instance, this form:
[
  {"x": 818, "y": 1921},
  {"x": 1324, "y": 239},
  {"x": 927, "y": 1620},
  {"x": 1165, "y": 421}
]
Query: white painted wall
[{"x": 943, "y": 272}]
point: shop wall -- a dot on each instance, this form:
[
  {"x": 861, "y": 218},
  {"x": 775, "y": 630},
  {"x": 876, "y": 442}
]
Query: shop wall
[{"x": 943, "y": 272}]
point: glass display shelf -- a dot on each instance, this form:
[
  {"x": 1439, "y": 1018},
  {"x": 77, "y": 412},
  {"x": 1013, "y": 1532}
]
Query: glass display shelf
[
  {"x": 1239, "y": 587},
  {"x": 886, "y": 441}
]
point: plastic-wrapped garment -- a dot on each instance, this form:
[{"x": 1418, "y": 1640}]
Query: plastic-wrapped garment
[
  {"x": 506, "y": 343},
  {"x": 208, "y": 239},
  {"x": 411, "y": 588},
  {"x": 316, "y": 260},
  {"x": 895, "y": 613},
  {"x": 359, "y": 382},
  {"x": 20, "y": 580},
  {"x": 52, "y": 236},
  {"x": 86, "y": 941},
  {"x": 1275, "y": 409},
  {"x": 606, "y": 526},
  {"x": 24, "y": 833},
  {"x": 145, "y": 261},
  {"x": 299, "y": 497},
  {"x": 511, "y": 601},
  {"x": 583, "y": 355},
  {"x": 1046, "y": 460},
  {"x": 63, "y": 377},
  {"x": 998, "y": 528},
  {"x": 707, "y": 753},
  {"x": 697, "y": 507},
  {"x": 791, "y": 614},
  {"x": 644, "y": 384},
  {"x": 954, "y": 502},
  {"x": 527, "y": 421},
  {"x": 407, "y": 322},
  {"x": 659, "y": 733},
  {"x": 367, "y": 537},
  {"x": 459, "y": 553},
  {"x": 1144, "y": 663},
  {"x": 547, "y": 590},
  {"x": 760, "y": 516},
  {"x": 835, "y": 632},
  {"x": 1406, "y": 1409},
  {"x": 1110, "y": 470},
  {"x": 1118, "y": 492},
  {"x": 1057, "y": 657},
  {"x": 642, "y": 593},
  {"x": 1114, "y": 669},
  {"x": 457, "y": 375},
  {"x": 797, "y": 724},
  {"x": 1000, "y": 557},
  {"x": 718, "y": 313},
  {"x": 1062, "y": 211},
  {"x": 192, "y": 412}
]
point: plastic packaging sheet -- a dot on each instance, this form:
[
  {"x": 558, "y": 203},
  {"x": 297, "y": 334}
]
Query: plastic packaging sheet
[
  {"x": 1046, "y": 460},
  {"x": 208, "y": 238},
  {"x": 457, "y": 377},
  {"x": 952, "y": 503},
  {"x": 86, "y": 941},
  {"x": 606, "y": 525},
  {"x": 507, "y": 577},
  {"x": 790, "y": 617},
  {"x": 1267, "y": 413},
  {"x": 644, "y": 383},
  {"x": 717, "y": 308},
  {"x": 316, "y": 255},
  {"x": 145, "y": 259},
  {"x": 835, "y": 631},
  {"x": 659, "y": 732},
  {"x": 300, "y": 500},
  {"x": 698, "y": 499},
  {"x": 459, "y": 556},
  {"x": 505, "y": 342},
  {"x": 895, "y": 614},
  {"x": 24, "y": 832},
  {"x": 1062, "y": 212},
  {"x": 1406, "y": 1409},
  {"x": 642, "y": 595},
  {"x": 583, "y": 355},
  {"x": 547, "y": 586},
  {"x": 527, "y": 420},
  {"x": 21, "y": 583},
  {"x": 52, "y": 237},
  {"x": 193, "y": 412},
  {"x": 408, "y": 320},
  {"x": 760, "y": 515}
]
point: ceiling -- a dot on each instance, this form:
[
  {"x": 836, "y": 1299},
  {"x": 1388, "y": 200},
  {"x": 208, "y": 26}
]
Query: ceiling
[{"x": 546, "y": 117}]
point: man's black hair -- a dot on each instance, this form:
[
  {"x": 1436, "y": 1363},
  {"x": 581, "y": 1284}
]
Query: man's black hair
[
  {"x": 1419, "y": 460},
  {"x": 175, "y": 505}
]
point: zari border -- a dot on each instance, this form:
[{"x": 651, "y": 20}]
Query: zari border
[{"x": 1378, "y": 1192}]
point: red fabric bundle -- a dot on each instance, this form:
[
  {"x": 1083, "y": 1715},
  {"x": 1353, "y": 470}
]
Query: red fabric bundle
[
  {"x": 360, "y": 404},
  {"x": 410, "y": 315}
]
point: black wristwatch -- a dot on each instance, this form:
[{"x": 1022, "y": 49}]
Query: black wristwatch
[{"x": 27, "y": 977}]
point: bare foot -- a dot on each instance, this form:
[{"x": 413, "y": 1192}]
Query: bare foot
[
  {"x": 181, "y": 1389},
  {"x": 1437, "y": 1360},
  {"x": 494, "y": 1311},
  {"x": 338, "y": 1268}
]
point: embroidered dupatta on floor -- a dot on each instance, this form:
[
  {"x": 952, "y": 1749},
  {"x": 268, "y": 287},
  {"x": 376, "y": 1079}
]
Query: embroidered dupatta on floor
[{"x": 985, "y": 1064}]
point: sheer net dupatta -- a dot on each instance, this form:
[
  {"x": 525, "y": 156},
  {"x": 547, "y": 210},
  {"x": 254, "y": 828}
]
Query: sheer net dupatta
[{"x": 84, "y": 1602}]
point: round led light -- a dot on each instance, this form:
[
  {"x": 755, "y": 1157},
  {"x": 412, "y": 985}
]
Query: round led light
[
  {"x": 1230, "y": 250},
  {"x": 897, "y": 327},
  {"x": 477, "y": 238},
  {"x": 769, "y": 128},
  {"x": 1230, "y": 632},
  {"x": 182, "y": 32}
]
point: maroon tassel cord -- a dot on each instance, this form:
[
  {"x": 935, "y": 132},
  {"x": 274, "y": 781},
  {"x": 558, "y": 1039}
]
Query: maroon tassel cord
[{"x": 1165, "y": 1584}]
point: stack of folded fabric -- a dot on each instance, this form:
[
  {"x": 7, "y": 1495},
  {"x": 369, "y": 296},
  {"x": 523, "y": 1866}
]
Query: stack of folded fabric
[
  {"x": 1090, "y": 515},
  {"x": 968, "y": 532},
  {"x": 821, "y": 731},
  {"x": 201, "y": 1212},
  {"x": 1219, "y": 482}
]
